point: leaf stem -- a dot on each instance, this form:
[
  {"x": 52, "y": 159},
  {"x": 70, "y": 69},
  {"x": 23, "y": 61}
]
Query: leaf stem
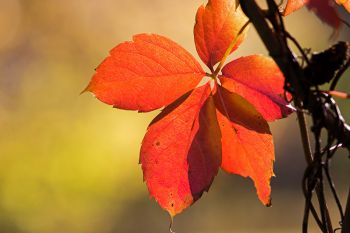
[
  {"x": 171, "y": 224},
  {"x": 304, "y": 133},
  {"x": 229, "y": 49}
]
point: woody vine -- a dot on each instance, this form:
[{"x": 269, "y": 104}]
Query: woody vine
[{"x": 303, "y": 83}]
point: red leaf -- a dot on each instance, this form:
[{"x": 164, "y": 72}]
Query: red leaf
[
  {"x": 247, "y": 145},
  {"x": 259, "y": 80},
  {"x": 146, "y": 74},
  {"x": 181, "y": 152},
  {"x": 216, "y": 26},
  {"x": 324, "y": 9}
]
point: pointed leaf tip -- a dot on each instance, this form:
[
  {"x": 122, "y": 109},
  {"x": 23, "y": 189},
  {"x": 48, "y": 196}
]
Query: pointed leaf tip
[
  {"x": 269, "y": 203},
  {"x": 86, "y": 89}
]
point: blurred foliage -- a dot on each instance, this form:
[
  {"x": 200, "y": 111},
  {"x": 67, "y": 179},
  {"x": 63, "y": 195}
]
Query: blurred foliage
[{"x": 70, "y": 164}]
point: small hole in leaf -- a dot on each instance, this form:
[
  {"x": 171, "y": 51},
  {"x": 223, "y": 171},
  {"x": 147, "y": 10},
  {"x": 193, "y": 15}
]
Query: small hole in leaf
[{"x": 172, "y": 204}]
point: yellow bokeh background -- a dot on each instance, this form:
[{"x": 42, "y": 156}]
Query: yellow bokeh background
[{"x": 69, "y": 163}]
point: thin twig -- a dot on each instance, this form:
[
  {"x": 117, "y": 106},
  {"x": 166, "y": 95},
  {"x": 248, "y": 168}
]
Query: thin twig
[
  {"x": 304, "y": 134},
  {"x": 334, "y": 191},
  {"x": 301, "y": 50},
  {"x": 346, "y": 222},
  {"x": 338, "y": 75}
]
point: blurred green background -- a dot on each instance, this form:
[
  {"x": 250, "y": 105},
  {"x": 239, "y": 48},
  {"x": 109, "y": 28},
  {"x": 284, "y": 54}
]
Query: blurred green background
[{"x": 69, "y": 163}]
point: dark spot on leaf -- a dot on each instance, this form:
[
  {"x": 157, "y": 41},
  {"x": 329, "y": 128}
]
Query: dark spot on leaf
[{"x": 157, "y": 143}]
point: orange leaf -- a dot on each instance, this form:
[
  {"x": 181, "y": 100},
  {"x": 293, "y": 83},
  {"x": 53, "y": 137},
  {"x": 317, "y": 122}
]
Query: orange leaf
[
  {"x": 259, "y": 80},
  {"x": 181, "y": 151},
  {"x": 216, "y": 26},
  {"x": 345, "y": 3},
  {"x": 247, "y": 144},
  {"x": 324, "y": 9},
  {"x": 146, "y": 74}
]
